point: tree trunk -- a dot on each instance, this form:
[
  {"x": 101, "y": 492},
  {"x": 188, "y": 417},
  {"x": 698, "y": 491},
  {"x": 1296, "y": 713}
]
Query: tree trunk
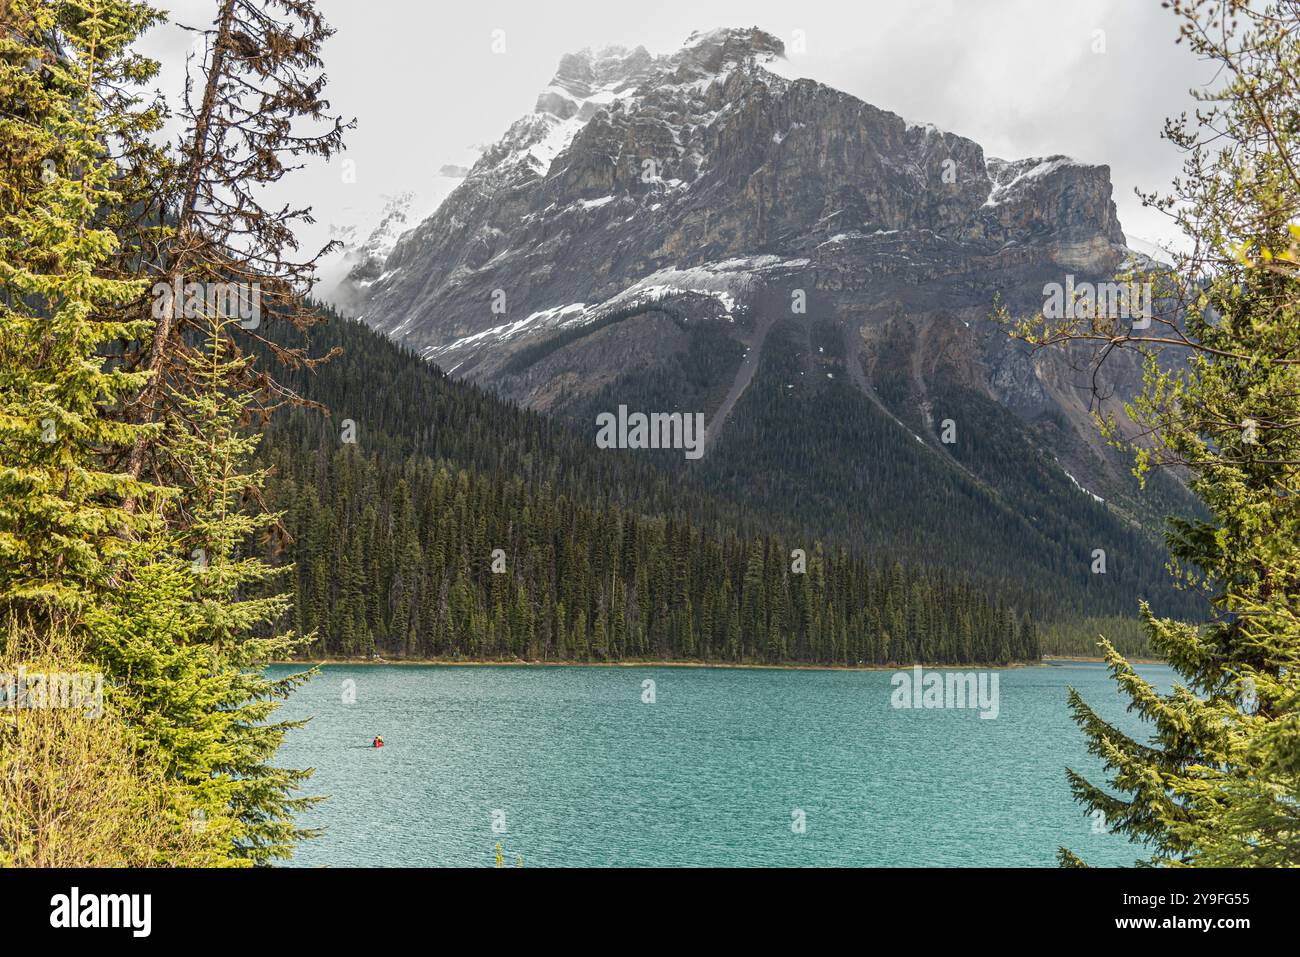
[{"x": 166, "y": 328}]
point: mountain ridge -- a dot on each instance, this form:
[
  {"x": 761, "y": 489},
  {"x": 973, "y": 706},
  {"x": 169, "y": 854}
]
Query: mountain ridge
[{"x": 652, "y": 204}]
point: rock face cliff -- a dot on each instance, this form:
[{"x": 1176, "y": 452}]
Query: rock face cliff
[
  {"x": 642, "y": 232},
  {"x": 632, "y": 163}
]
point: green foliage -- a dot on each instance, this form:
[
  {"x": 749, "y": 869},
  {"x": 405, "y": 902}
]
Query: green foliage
[
  {"x": 146, "y": 576},
  {"x": 233, "y": 618},
  {"x": 62, "y": 521},
  {"x": 1218, "y": 783},
  {"x": 396, "y": 558},
  {"x": 392, "y": 539},
  {"x": 187, "y": 631},
  {"x": 1082, "y": 638},
  {"x": 75, "y": 788}
]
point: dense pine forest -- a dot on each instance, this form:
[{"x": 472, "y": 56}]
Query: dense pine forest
[
  {"x": 439, "y": 522},
  {"x": 416, "y": 560}
]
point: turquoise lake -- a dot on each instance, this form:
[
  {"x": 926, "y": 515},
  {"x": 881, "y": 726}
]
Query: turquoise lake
[{"x": 570, "y": 767}]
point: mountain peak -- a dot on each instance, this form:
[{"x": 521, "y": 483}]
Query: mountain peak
[
  {"x": 589, "y": 80},
  {"x": 715, "y": 50},
  {"x": 634, "y": 163}
]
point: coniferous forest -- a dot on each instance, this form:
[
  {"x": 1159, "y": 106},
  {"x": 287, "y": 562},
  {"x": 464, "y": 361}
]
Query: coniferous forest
[
  {"x": 416, "y": 560},
  {"x": 404, "y": 555}
]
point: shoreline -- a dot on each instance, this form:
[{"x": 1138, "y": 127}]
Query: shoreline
[
  {"x": 1100, "y": 660},
  {"x": 739, "y": 666}
]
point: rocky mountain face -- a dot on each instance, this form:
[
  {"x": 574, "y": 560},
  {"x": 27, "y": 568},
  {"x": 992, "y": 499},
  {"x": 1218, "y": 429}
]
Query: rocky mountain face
[
  {"x": 363, "y": 258},
  {"x": 671, "y": 229}
]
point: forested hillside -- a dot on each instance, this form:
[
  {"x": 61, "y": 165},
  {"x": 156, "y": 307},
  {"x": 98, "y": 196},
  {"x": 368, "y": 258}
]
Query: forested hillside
[
  {"x": 808, "y": 449},
  {"x": 456, "y": 525}
]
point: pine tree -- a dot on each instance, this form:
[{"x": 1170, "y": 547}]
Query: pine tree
[
  {"x": 77, "y": 555},
  {"x": 62, "y": 520},
  {"x": 1219, "y": 781},
  {"x": 185, "y": 631},
  {"x": 207, "y": 444},
  {"x": 260, "y": 97}
]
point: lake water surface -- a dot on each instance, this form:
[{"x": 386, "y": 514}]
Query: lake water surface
[{"x": 569, "y": 766}]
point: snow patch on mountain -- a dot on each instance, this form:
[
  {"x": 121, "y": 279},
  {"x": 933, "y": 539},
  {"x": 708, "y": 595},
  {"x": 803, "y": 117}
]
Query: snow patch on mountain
[
  {"x": 1010, "y": 177},
  {"x": 725, "y": 281},
  {"x": 729, "y": 282},
  {"x": 555, "y": 318},
  {"x": 1095, "y": 497}
]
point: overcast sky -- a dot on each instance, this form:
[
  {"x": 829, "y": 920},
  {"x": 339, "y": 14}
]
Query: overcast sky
[{"x": 1018, "y": 76}]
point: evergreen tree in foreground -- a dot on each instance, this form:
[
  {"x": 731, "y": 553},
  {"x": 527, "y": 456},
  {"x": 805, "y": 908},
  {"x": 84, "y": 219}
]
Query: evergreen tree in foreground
[
  {"x": 145, "y": 576},
  {"x": 187, "y": 637},
  {"x": 68, "y": 543},
  {"x": 1218, "y": 784},
  {"x": 253, "y": 110},
  {"x": 62, "y": 521}
]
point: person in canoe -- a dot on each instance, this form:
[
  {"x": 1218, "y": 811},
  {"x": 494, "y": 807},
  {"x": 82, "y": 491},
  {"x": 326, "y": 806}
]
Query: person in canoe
[{"x": 378, "y": 742}]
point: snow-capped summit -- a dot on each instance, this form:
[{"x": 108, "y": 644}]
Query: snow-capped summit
[
  {"x": 651, "y": 205},
  {"x": 586, "y": 81},
  {"x": 585, "y": 84},
  {"x": 714, "y": 51},
  {"x": 633, "y": 162}
]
